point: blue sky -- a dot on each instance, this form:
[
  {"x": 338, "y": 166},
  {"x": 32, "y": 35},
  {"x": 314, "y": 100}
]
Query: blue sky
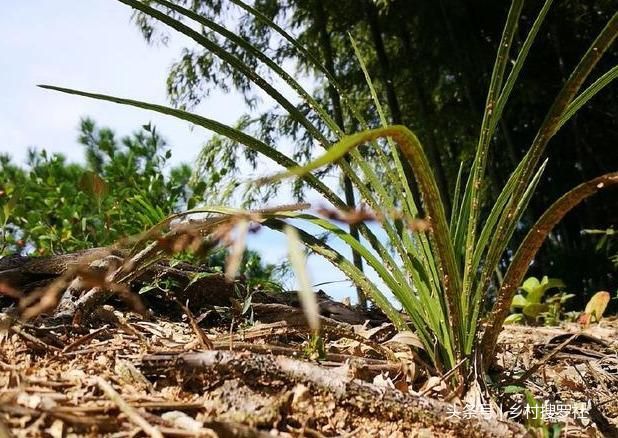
[
  {"x": 92, "y": 45},
  {"x": 89, "y": 45}
]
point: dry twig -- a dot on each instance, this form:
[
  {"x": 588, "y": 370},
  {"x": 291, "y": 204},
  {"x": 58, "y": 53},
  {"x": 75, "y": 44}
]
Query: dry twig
[{"x": 127, "y": 409}]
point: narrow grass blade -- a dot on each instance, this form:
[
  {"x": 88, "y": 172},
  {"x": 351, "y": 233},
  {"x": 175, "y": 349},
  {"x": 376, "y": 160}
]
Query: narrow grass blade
[
  {"x": 457, "y": 195},
  {"x": 235, "y": 62},
  {"x": 519, "y": 63},
  {"x": 306, "y": 54},
  {"x": 234, "y": 259},
  {"x": 528, "y": 166},
  {"x": 490, "y": 223},
  {"x": 305, "y": 291},
  {"x": 413, "y": 152},
  {"x": 346, "y": 267},
  {"x": 487, "y": 131},
  {"x": 495, "y": 251},
  {"x": 241, "y": 42},
  {"x": 398, "y": 178},
  {"x": 221, "y": 129}
]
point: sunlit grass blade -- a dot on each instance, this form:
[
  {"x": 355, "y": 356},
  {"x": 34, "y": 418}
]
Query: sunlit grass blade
[
  {"x": 419, "y": 321},
  {"x": 413, "y": 152},
  {"x": 150, "y": 214},
  {"x": 399, "y": 179},
  {"x": 496, "y": 250},
  {"x": 490, "y": 224},
  {"x": 562, "y": 101},
  {"x": 305, "y": 291},
  {"x": 397, "y": 176},
  {"x": 424, "y": 309},
  {"x": 237, "y": 250},
  {"x": 459, "y": 235}
]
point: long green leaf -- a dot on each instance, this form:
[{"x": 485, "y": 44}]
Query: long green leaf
[
  {"x": 241, "y": 42},
  {"x": 480, "y": 159},
  {"x": 306, "y": 54},
  {"x": 400, "y": 176},
  {"x": 457, "y": 199},
  {"x": 525, "y": 170},
  {"x": 493, "y": 258},
  {"x": 220, "y": 128},
  {"x": 235, "y": 62},
  {"x": 426, "y": 336},
  {"x": 412, "y": 150},
  {"x": 399, "y": 181},
  {"x": 305, "y": 291},
  {"x": 345, "y": 266},
  {"x": 519, "y": 63},
  {"x": 525, "y": 254},
  {"x": 490, "y": 223},
  {"x": 588, "y": 94}
]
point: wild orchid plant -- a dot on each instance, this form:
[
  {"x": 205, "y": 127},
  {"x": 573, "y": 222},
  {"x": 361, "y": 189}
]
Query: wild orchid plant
[{"x": 440, "y": 275}]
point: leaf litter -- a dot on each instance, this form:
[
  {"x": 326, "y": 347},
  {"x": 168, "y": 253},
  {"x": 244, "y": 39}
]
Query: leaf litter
[{"x": 206, "y": 371}]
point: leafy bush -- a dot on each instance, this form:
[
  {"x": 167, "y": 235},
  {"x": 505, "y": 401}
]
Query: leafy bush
[
  {"x": 125, "y": 187},
  {"x": 122, "y": 190},
  {"x": 439, "y": 274}
]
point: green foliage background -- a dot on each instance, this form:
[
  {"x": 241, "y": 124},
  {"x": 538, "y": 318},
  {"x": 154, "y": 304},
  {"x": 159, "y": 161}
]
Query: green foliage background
[{"x": 125, "y": 187}]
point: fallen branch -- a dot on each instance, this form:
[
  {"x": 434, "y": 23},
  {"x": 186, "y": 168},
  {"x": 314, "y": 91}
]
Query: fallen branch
[{"x": 356, "y": 396}]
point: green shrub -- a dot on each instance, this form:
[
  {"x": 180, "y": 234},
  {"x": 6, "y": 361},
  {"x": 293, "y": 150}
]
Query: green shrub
[{"x": 122, "y": 190}]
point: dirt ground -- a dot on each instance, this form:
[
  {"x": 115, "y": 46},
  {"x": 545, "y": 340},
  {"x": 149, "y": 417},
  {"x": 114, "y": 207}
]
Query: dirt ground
[{"x": 126, "y": 376}]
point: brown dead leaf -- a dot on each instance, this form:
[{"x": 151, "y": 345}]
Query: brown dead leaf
[{"x": 595, "y": 308}]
